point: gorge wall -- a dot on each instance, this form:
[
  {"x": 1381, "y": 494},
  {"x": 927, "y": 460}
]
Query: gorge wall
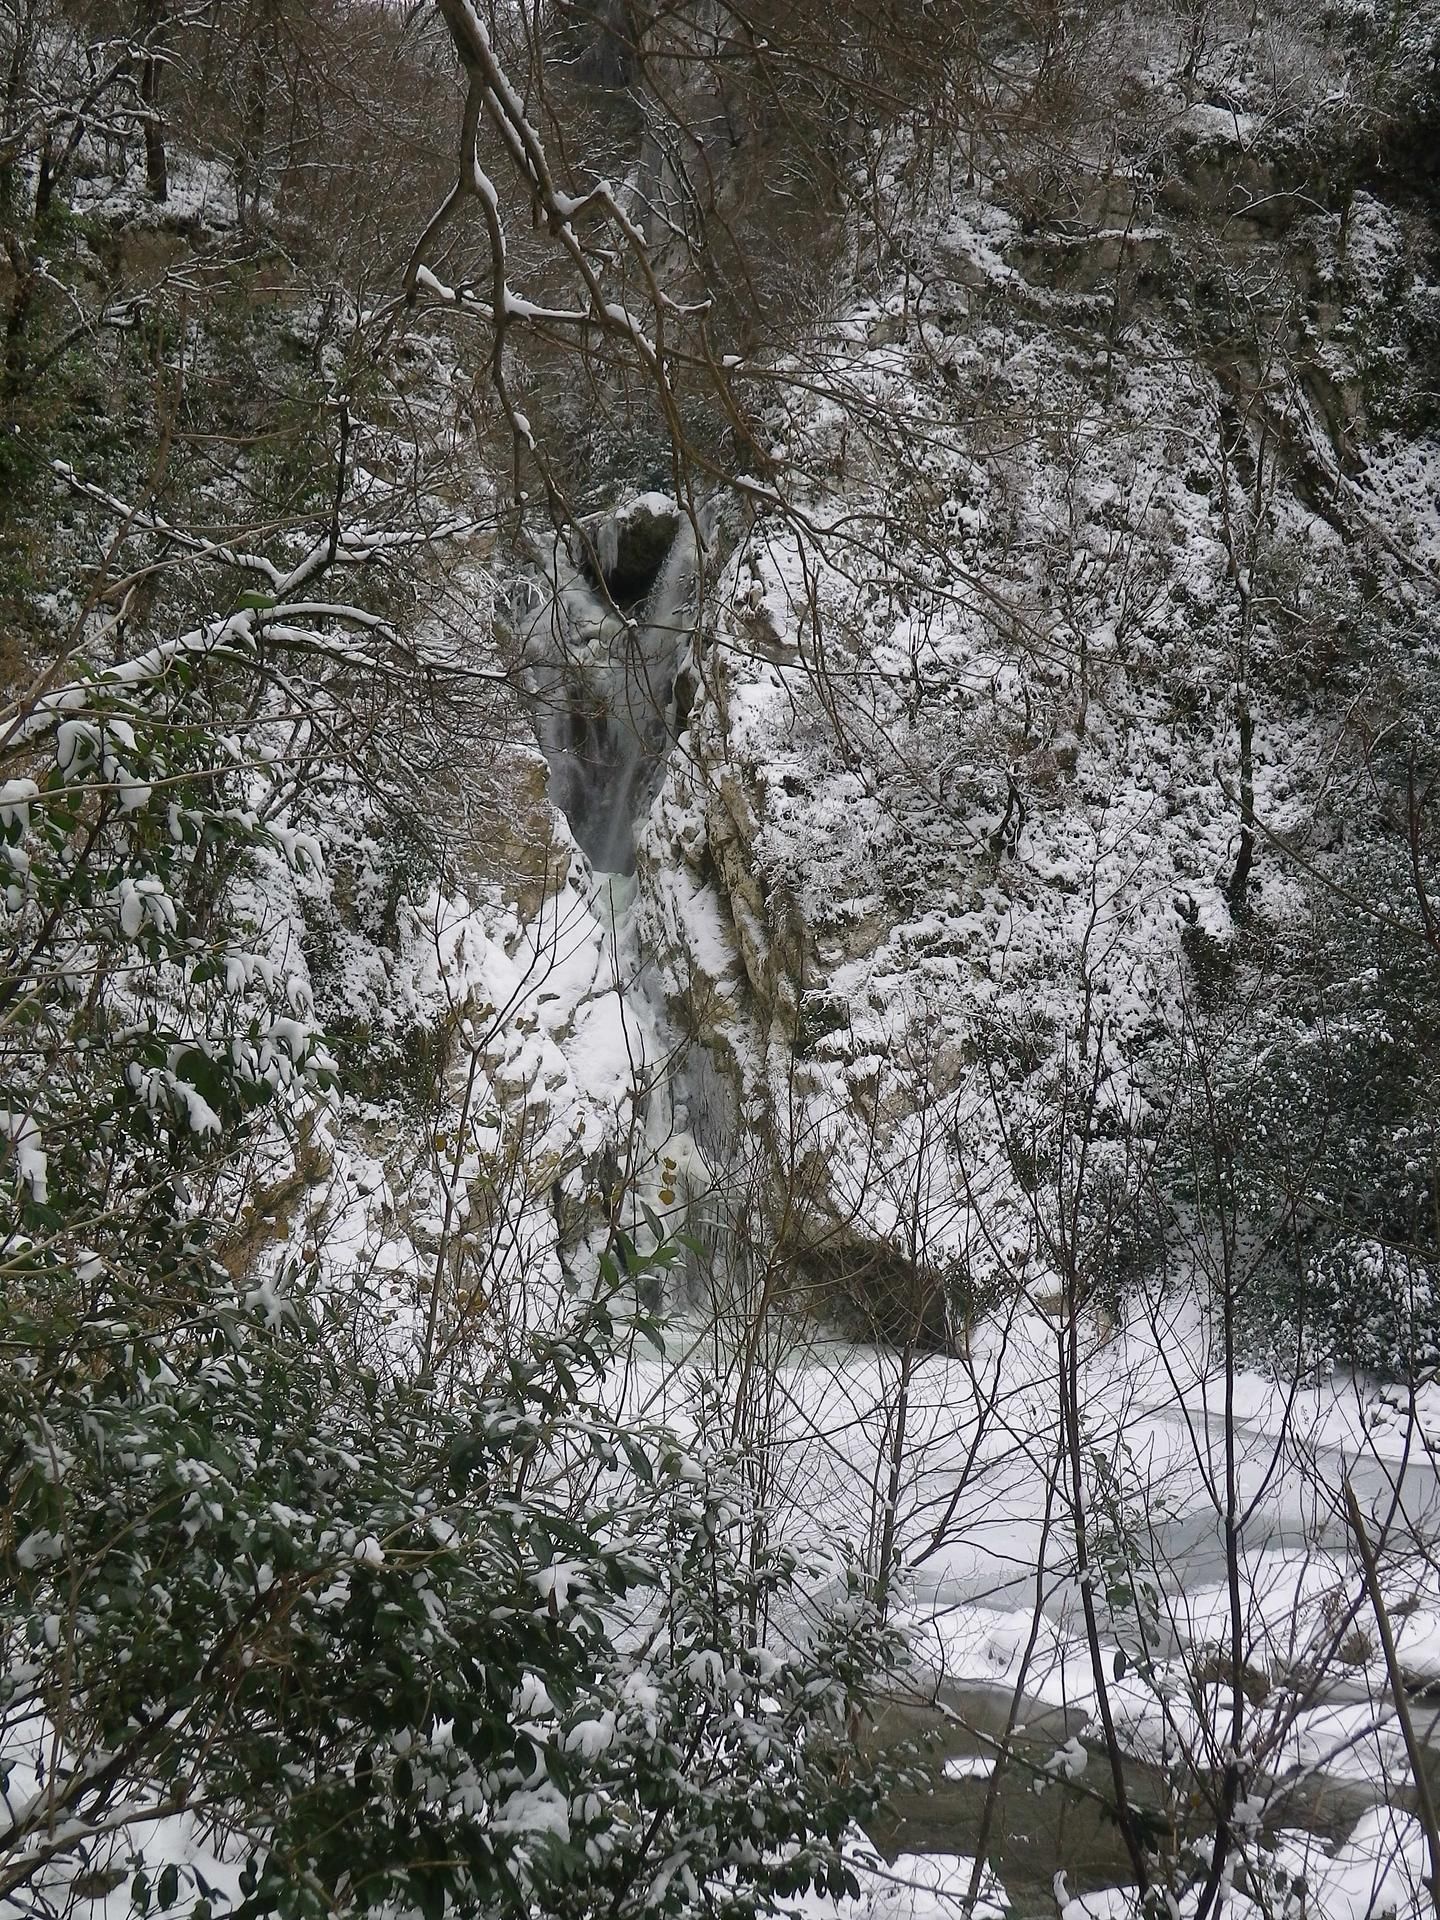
[{"x": 991, "y": 756}]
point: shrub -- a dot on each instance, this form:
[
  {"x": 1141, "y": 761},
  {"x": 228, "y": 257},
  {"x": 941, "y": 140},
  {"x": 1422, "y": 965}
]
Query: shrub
[{"x": 503, "y": 1653}]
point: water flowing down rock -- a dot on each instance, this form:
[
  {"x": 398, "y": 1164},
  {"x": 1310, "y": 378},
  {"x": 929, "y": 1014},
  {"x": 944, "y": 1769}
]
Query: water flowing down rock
[{"x": 607, "y": 627}]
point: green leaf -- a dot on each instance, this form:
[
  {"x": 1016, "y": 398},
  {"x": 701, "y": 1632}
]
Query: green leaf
[
  {"x": 466, "y": 1455},
  {"x": 253, "y": 602}
]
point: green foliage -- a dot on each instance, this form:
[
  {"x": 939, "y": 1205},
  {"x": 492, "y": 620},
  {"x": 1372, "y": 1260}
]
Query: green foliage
[
  {"x": 1123, "y": 1517},
  {"x": 141, "y": 1029},
  {"x": 496, "y": 1652},
  {"x": 821, "y": 1014}
]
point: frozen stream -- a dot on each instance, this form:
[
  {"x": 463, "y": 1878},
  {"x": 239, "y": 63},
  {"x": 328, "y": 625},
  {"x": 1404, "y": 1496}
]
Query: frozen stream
[{"x": 1296, "y": 1513}]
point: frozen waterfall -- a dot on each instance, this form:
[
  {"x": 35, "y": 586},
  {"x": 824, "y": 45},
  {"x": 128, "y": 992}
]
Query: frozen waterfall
[
  {"x": 608, "y": 625},
  {"x": 605, "y": 636}
]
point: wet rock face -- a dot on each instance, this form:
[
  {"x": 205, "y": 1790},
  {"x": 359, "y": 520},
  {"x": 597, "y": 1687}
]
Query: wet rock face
[
  {"x": 520, "y": 851},
  {"x": 625, "y": 550}
]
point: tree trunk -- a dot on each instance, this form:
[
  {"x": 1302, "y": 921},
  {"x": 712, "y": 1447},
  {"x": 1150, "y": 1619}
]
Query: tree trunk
[
  {"x": 250, "y": 162},
  {"x": 27, "y": 283},
  {"x": 17, "y": 78},
  {"x": 1245, "y": 855},
  {"x": 154, "y": 21}
]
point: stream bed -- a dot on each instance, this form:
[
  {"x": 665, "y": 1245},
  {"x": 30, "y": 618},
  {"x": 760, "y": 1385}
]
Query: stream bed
[{"x": 1040, "y": 1824}]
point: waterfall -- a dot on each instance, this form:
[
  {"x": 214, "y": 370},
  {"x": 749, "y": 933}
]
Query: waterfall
[
  {"x": 607, "y": 626},
  {"x": 604, "y": 639}
]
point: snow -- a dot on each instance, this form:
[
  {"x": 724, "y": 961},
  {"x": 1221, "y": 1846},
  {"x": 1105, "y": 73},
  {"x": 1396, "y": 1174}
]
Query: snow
[
  {"x": 15, "y": 801},
  {"x": 971, "y": 1521},
  {"x": 534, "y": 1810},
  {"x": 553, "y": 1583},
  {"x": 1219, "y": 124},
  {"x": 31, "y": 1160},
  {"x": 913, "y": 1886},
  {"x": 199, "y": 190},
  {"x": 590, "y": 1738},
  {"x": 1379, "y": 1870}
]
